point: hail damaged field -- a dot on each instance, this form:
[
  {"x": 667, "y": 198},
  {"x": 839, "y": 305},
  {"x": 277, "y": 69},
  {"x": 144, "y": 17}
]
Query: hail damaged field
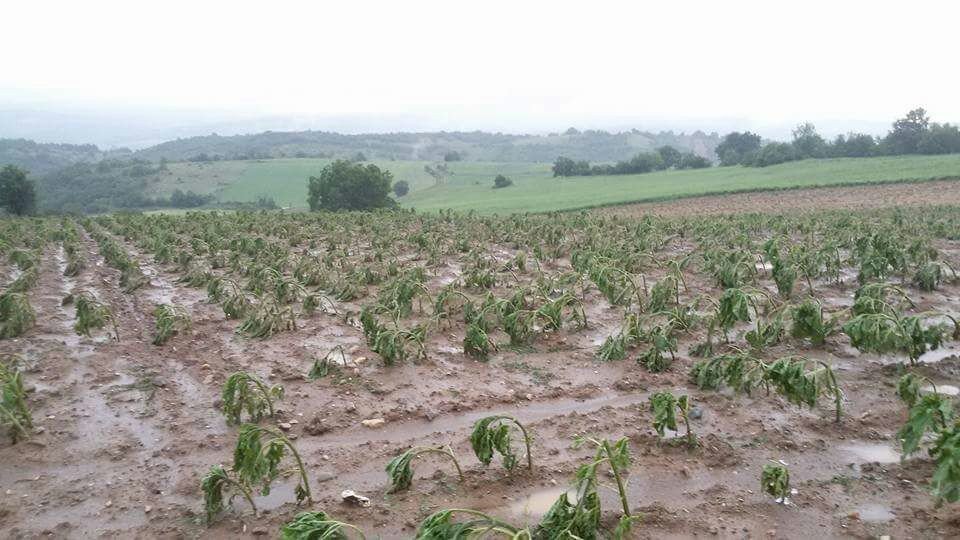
[{"x": 232, "y": 375}]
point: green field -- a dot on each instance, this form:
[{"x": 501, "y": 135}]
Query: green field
[{"x": 535, "y": 190}]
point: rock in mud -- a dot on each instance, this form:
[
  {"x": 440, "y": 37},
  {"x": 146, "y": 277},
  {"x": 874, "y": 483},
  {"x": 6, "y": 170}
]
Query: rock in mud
[
  {"x": 350, "y": 497},
  {"x": 373, "y": 422}
]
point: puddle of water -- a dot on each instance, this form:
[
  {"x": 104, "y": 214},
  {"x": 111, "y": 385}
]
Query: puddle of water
[
  {"x": 944, "y": 389},
  {"x": 874, "y": 513},
  {"x": 536, "y": 504},
  {"x": 872, "y": 452},
  {"x": 937, "y": 355}
]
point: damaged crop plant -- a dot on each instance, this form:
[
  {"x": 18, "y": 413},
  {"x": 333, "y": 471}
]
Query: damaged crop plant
[{"x": 502, "y": 327}]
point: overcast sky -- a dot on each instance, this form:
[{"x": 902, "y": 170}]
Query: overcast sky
[{"x": 517, "y": 64}]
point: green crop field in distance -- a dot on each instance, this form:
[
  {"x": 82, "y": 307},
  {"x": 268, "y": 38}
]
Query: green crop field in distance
[{"x": 470, "y": 186}]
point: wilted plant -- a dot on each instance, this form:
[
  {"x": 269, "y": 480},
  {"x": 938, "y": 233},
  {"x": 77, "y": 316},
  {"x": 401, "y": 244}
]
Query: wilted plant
[
  {"x": 883, "y": 333},
  {"x": 314, "y": 301},
  {"x": 477, "y": 342},
  {"x": 552, "y": 312},
  {"x": 92, "y": 314},
  {"x": 171, "y": 320},
  {"x": 661, "y": 341},
  {"x": 247, "y": 392},
  {"x": 580, "y": 518},
  {"x": 14, "y": 412},
  {"x": 322, "y": 366},
  {"x": 809, "y": 322},
  {"x": 266, "y": 319},
  {"x": 875, "y": 298},
  {"x": 215, "y": 485},
  {"x": 791, "y": 378},
  {"x": 317, "y": 526},
  {"x": 931, "y": 412},
  {"x": 441, "y": 526},
  {"x": 257, "y": 461},
  {"x": 399, "y": 469},
  {"x": 665, "y": 406},
  {"x": 493, "y": 434},
  {"x": 945, "y": 482},
  {"x": 16, "y": 315},
  {"x": 775, "y": 481}
]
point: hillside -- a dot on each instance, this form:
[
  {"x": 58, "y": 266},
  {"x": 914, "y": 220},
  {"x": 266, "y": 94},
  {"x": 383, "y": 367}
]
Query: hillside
[
  {"x": 468, "y": 186},
  {"x": 42, "y": 158},
  {"x": 471, "y": 146}
]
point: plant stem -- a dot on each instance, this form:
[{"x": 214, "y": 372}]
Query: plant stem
[
  {"x": 447, "y": 451},
  {"x": 246, "y": 493},
  {"x": 616, "y": 475}
]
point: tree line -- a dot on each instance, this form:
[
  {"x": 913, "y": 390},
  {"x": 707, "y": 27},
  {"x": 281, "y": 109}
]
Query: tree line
[
  {"x": 912, "y": 134},
  {"x": 663, "y": 158}
]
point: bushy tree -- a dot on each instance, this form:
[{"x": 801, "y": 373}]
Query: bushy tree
[
  {"x": 907, "y": 133},
  {"x": 689, "y": 160},
  {"x": 738, "y": 148},
  {"x": 853, "y": 145},
  {"x": 343, "y": 185},
  {"x": 940, "y": 139},
  {"x": 401, "y": 188},
  {"x": 646, "y": 162},
  {"x": 17, "y": 192},
  {"x": 453, "y": 155},
  {"x": 807, "y": 143},
  {"x": 502, "y": 181},
  {"x": 670, "y": 155},
  {"x": 774, "y": 153},
  {"x": 565, "y": 166}
]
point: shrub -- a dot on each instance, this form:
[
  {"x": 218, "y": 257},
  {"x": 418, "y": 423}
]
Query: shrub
[
  {"x": 401, "y": 188},
  {"x": 501, "y": 181}
]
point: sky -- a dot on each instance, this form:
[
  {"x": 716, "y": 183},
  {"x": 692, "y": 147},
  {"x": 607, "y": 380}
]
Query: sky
[{"x": 517, "y": 65}]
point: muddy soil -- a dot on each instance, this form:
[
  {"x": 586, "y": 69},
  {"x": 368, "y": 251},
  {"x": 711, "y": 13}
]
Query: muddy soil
[
  {"x": 124, "y": 431},
  {"x": 945, "y": 192}
]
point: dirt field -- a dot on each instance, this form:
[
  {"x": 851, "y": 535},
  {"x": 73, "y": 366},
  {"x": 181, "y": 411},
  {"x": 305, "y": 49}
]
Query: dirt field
[
  {"x": 124, "y": 431},
  {"x": 945, "y": 192}
]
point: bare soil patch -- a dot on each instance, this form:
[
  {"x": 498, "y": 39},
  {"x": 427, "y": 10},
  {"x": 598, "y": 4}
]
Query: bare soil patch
[{"x": 866, "y": 197}]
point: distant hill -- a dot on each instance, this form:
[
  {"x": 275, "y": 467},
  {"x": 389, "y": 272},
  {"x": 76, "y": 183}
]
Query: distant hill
[
  {"x": 592, "y": 145},
  {"x": 43, "y": 158}
]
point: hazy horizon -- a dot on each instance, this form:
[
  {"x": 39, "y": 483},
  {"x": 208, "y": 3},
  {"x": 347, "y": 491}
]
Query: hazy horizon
[{"x": 116, "y": 74}]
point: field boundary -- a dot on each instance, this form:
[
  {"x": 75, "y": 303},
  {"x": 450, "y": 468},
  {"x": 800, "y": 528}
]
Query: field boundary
[{"x": 721, "y": 193}]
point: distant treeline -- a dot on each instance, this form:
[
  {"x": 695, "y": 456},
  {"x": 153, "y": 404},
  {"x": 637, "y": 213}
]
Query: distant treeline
[
  {"x": 912, "y": 134},
  {"x": 41, "y": 158},
  {"x": 665, "y": 157},
  {"x": 594, "y": 145}
]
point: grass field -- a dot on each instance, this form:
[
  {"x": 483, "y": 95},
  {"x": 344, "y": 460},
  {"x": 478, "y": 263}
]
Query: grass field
[{"x": 535, "y": 190}]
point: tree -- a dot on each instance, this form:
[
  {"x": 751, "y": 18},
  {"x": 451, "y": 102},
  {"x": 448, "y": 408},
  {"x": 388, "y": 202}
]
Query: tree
[
  {"x": 401, "y": 188},
  {"x": 501, "y": 181},
  {"x": 646, "y": 162},
  {"x": 563, "y": 166},
  {"x": 773, "y": 154},
  {"x": 689, "y": 160},
  {"x": 670, "y": 155},
  {"x": 907, "y": 132},
  {"x": 18, "y": 193},
  {"x": 738, "y": 148},
  {"x": 452, "y": 155},
  {"x": 940, "y": 139},
  {"x": 807, "y": 143},
  {"x": 853, "y": 145},
  {"x": 343, "y": 185}
]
